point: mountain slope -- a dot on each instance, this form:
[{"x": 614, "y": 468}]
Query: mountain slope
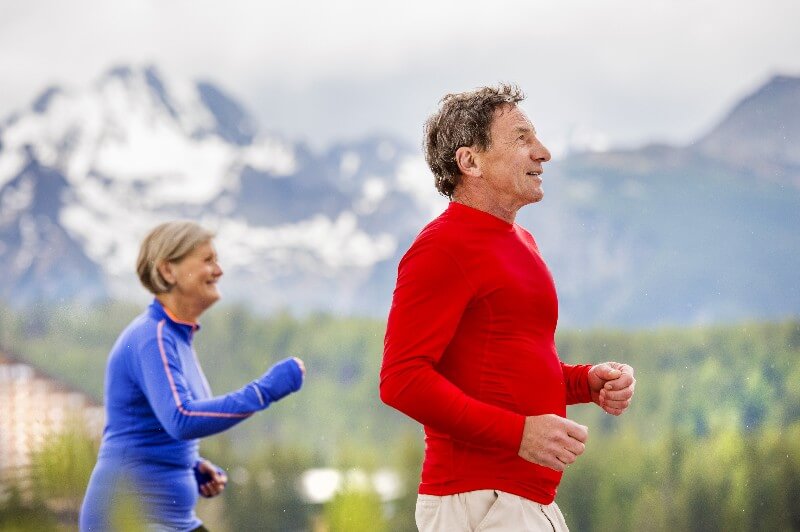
[
  {"x": 137, "y": 148},
  {"x": 41, "y": 261},
  {"x": 666, "y": 235},
  {"x": 762, "y": 133}
]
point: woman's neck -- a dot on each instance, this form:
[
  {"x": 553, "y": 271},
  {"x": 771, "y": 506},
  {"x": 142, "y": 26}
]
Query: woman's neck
[{"x": 179, "y": 308}]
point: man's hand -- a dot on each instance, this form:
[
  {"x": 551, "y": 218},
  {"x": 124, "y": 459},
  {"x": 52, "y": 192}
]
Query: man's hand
[
  {"x": 552, "y": 441},
  {"x": 211, "y": 480},
  {"x": 612, "y": 385}
]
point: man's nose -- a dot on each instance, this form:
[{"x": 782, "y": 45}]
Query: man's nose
[{"x": 540, "y": 153}]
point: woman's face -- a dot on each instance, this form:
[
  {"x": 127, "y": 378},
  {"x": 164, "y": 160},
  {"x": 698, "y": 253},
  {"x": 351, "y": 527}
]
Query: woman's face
[{"x": 196, "y": 276}]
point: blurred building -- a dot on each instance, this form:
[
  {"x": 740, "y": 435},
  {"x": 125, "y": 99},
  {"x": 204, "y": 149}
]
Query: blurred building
[{"x": 33, "y": 407}]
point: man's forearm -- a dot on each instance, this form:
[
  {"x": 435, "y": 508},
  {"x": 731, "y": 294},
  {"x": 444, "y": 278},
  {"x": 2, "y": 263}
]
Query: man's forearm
[{"x": 425, "y": 395}]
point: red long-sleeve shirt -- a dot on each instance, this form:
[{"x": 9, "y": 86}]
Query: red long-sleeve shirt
[{"x": 470, "y": 351}]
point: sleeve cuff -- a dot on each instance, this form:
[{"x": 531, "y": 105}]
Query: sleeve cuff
[{"x": 576, "y": 379}]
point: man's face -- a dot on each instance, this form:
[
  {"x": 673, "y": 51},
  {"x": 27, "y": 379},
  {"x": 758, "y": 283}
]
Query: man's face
[{"x": 512, "y": 165}]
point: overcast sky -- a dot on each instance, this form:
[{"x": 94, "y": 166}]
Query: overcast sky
[{"x": 599, "y": 72}]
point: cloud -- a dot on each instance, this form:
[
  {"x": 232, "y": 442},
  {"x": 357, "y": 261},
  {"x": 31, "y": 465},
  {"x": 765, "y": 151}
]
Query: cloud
[{"x": 632, "y": 71}]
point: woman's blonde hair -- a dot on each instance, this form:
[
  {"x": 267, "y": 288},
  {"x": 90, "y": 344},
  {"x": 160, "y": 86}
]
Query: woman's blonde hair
[{"x": 168, "y": 242}]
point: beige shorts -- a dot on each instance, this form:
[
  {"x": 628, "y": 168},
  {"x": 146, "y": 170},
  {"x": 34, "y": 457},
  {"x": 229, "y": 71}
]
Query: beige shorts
[{"x": 486, "y": 511}]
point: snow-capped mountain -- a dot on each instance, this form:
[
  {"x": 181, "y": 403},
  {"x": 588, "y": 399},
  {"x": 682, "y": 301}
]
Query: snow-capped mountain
[
  {"x": 84, "y": 175},
  {"x": 661, "y": 234}
]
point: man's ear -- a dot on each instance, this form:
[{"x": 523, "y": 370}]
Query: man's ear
[
  {"x": 466, "y": 161},
  {"x": 167, "y": 272}
]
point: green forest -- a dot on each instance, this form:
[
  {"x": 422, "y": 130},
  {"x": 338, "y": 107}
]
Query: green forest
[{"x": 711, "y": 441}]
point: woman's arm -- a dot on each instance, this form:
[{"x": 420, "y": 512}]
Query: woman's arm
[{"x": 185, "y": 417}]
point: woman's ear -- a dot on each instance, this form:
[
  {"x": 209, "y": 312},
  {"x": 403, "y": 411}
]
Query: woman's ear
[
  {"x": 167, "y": 271},
  {"x": 466, "y": 161}
]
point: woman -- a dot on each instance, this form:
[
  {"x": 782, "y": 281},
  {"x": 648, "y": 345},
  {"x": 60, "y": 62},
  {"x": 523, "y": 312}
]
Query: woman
[{"x": 157, "y": 399}]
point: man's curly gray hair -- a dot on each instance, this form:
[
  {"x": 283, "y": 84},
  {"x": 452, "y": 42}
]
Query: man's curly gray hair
[{"x": 463, "y": 119}]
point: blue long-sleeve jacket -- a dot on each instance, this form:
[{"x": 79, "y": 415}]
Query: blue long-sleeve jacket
[{"x": 158, "y": 403}]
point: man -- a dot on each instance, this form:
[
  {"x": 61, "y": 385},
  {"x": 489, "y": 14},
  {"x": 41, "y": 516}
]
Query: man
[{"x": 469, "y": 349}]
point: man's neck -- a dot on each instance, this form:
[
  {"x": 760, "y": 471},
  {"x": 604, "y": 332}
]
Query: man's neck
[{"x": 483, "y": 202}]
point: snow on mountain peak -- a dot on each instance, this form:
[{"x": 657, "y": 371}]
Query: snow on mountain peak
[{"x": 136, "y": 125}]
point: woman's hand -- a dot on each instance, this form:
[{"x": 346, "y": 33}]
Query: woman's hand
[
  {"x": 283, "y": 378},
  {"x": 211, "y": 480},
  {"x": 302, "y": 366}
]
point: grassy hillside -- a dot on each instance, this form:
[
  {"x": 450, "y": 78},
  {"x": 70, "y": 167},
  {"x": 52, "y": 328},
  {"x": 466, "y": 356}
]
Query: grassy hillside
[{"x": 701, "y": 380}]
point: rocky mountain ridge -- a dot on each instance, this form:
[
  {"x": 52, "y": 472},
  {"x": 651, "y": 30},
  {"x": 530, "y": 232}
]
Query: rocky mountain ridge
[{"x": 661, "y": 234}]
